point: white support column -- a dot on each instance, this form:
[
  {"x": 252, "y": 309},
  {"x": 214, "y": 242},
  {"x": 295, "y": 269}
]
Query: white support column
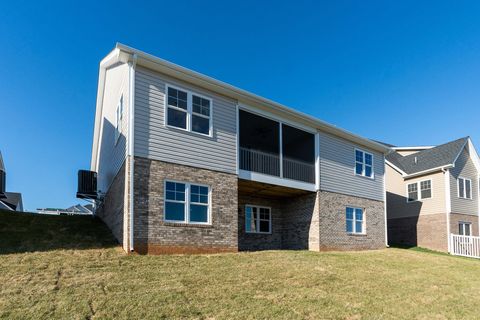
[
  {"x": 280, "y": 125},
  {"x": 317, "y": 161}
]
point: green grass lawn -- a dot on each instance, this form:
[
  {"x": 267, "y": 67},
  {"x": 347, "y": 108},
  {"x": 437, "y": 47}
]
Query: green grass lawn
[{"x": 69, "y": 268}]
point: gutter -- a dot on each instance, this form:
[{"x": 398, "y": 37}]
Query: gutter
[
  {"x": 131, "y": 113},
  {"x": 191, "y": 76}
]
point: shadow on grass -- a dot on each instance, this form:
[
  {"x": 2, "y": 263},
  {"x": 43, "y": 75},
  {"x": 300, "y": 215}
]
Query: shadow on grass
[{"x": 28, "y": 232}]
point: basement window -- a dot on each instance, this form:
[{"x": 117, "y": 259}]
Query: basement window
[
  {"x": 258, "y": 219},
  {"x": 187, "y": 203},
  {"x": 355, "y": 220},
  {"x": 188, "y": 111},
  {"x": 464, "y": 228}
]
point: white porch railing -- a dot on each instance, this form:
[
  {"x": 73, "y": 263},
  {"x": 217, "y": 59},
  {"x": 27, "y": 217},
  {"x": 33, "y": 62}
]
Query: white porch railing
[
  {"x": 268, "y": 163},
  {"x": 466, "y": 246}
]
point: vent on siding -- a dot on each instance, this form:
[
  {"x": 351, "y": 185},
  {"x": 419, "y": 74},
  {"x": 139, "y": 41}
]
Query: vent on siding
[
  {"x": 3, "y": 176},
  {"x": 87, "y": 184}
]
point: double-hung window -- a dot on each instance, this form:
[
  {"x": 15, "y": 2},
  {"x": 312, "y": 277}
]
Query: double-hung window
[
  {"x": 187, "y": 203},
  {"x": 118, "y": 119},
  {"x": 355, "y": 220},
  {"x": 188, "y": 111},
  {"x": 258, "y": 219},
  {"x": 412, "y": 192},
  {"x": 464, "y": 228},
  {"x": 419, "y": 190},
  {"x": 363, "y": 163},
  {"x": 464, "y": 188},
  {"x": 426, "y": 189}
]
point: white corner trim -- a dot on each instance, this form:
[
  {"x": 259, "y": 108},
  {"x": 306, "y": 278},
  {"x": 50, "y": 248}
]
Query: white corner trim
[
  {"x": 131, "y": 149},
  {"x": 317, "y": 161},
  {"x": 385, "y": 207},
  {"x": 448, "y": 204}
]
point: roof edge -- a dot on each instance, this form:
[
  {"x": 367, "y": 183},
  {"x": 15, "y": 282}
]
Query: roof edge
[{"x": 202, "y": 80}]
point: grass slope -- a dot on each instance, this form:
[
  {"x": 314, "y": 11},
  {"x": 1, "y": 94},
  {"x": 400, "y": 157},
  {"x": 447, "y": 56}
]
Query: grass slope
[{"x": 82, "y": 276}]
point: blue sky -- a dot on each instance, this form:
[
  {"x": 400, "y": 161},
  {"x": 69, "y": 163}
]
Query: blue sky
[{"x": 404, "y": 72}]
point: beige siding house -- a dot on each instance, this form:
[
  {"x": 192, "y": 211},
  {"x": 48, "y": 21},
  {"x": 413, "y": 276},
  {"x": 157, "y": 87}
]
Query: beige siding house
[{"x": 432, "y": 192}]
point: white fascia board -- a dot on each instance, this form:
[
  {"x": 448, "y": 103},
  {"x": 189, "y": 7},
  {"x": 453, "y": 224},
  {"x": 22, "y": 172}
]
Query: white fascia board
[
  {"x": 115, "y": 56},
  {"x": 474, "y": 155},
  {"x": 255, "y": 176},
  {"x": 460, "y": 152},
  {"x": 395, "y": 168},
  {"x": 412, "y": 148},
  {"x": 420, "y": 173},
  {"x": 151, "y": 62}
]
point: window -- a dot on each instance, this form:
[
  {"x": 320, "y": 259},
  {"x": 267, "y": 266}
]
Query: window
[
  {"x": 464, "y": 188},
  {"x": 464, "y": 228},
  {"x": 258, "y": 219},
  {"x": 363, "y": 164},
  {"x": 118, "y": 119},
  {"x": 425, "y": 188},
  {"x": 355, "y": 220},
  {"x": 412, "y": 192},
  {"x": 187, "y": 203},
  {"x": 188, "y": 111}
]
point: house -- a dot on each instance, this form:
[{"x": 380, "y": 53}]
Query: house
[
  {"x": 77, "y": 209},
  {"x": 186, "y": 163},
  {"x": 432, "y": 192},
  {"x": 11, "y": 201}
]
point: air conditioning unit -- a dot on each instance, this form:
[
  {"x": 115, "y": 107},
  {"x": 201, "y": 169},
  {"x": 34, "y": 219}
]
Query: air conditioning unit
[{"x": 87, "y": 184}]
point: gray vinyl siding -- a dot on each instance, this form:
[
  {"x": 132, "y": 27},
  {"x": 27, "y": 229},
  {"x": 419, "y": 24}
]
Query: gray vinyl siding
[
  {"x": 337, "y": 161},
  {"x": 112, "y": 154},
  {"x": 465, "y": 168},
  {"x": 154, "y": 140}
]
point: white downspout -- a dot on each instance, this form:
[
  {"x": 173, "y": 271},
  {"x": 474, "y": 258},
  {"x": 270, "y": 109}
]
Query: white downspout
[
  {"x": 448, "y": 204},
  {"x": 131, "y": 112},
  {"x": 385, "y": 202}
]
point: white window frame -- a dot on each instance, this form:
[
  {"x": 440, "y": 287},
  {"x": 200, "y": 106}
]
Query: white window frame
[
  {"x": 258, "y": 221},
  {"x": 463, "y": 223},
  {"x": 464, "y": 188},
  {"x": 419, "y": 190},
  {"x": 118, "y": 119},
  {"x": 354, "y": 220},
  {"x": 189, "y": 111},
  {"x": 363, "y": 164},
  {"x": 187, "y": 203}
]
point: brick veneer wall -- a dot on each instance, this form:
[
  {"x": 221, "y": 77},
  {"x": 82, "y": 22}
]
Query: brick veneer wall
[
  {"x": 427, "y": 231},
  {"x": 455, "y": 218},
  {"x": 260, "y": 241},
  {"x": 301, "y": 223},
  {"x": 315, "y": 221},
  {"x": 153, "y": 235},
  {"x": 113, "y": 208},
  {"x": 333, "y": 223}
]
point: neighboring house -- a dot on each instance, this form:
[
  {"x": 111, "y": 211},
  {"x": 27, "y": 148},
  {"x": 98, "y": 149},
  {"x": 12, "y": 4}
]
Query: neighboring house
[
  {"x": 77, "y": 209},
  {"x": 11, "y": 201},
  {"x": 431, "y": 193},
  {"x": 187, "y": 163}
]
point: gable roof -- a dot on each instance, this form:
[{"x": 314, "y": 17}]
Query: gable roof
[
  {"x": 13, "y": 200},
  {"x": 124, "y": 54},
  {"x": 429, "y": 159}
]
